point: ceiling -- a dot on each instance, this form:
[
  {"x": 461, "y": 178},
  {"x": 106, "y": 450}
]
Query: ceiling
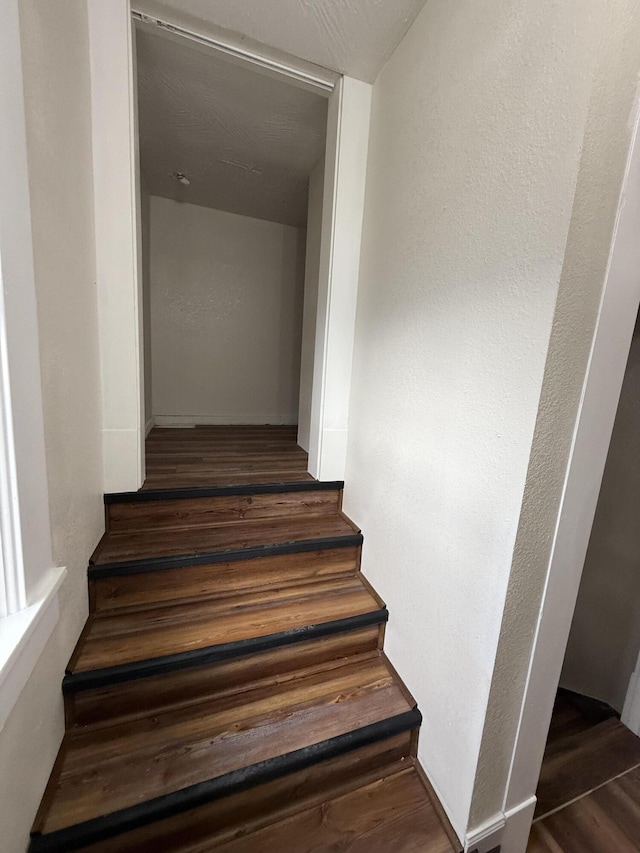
[
  {"x": 353, "y": 37},
  {"x": 246, "y": 141}
]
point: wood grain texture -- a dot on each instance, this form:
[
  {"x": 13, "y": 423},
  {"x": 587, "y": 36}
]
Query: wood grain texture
[
  {"x": 221, "y": 580},
  {"x": 110, "y": 769},
  {"x": 605, "y": 821},
  {"x": 203, "y": 829},
  {"x": 113, "y": 640},
  {"x": 131, "y": 700},
  {"x": 578, "y": 763},
  {"x": 203, "y": 511},
  {"x": 146, "y": 544},
  {"x": 220, "y": 455}
]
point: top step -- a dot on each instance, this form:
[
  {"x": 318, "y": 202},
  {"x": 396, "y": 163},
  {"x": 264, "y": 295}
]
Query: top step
[{"x": 179, "y": 508}]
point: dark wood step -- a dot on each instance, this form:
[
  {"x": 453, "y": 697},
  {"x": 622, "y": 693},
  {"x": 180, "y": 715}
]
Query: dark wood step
[
  {"x": 116, "y": 703},
  {"x": 372, "y": 796},
  {"x": 172, "y": 511},
  {"x": 157, "y": 587},
  {"x": 117, "y": 778},
  {"x": 131, "y": 645},
  {"x": 224, "y": 539}
]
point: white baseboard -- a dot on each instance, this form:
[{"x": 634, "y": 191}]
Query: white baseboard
[
  {"x": 486, "y": 837},
  {"x": 508, "y": 831},
  {"x": 149, "y": 426},
  {"x": 186, "y": 421}
]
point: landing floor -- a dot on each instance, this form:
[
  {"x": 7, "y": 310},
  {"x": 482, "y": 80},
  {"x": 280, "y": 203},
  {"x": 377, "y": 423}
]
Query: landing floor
[
  {"x": 589, "y": 789},
  {"x": 223, "y": 455}
]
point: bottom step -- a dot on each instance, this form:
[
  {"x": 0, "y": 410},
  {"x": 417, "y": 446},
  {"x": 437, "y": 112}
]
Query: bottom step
[{"x": 373, "y": 801}]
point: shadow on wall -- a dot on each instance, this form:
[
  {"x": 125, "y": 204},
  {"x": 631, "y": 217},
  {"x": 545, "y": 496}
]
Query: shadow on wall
[{"x": 605, "y": 633}]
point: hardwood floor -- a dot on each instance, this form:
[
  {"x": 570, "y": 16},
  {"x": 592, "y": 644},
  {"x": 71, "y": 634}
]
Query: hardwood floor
[
  {"x": 221, "y": 455},
  {"x": 229, "y": 690},
  {"x": 589, "y": 789}
]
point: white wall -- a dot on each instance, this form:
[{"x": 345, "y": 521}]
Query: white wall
[
  {"x": 145, "y": 249},
  {"x": 477, "y": 127},
  {"x": 226, "y": 316},
  {"x": 57, "y": 99},
  {"x": 311, "y": 274},
  {"x": 605, "y": 633}
]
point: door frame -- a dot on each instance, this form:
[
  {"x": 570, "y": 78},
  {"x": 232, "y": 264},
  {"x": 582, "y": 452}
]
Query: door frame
[
  {"x": 118, "y": 230},
  {"x": 601, "y": 389}
]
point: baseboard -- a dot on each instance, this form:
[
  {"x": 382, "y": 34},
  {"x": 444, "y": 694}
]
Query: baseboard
[
  {"x": 186, "y": 421},
  {"x": 507, "y": 832},
  {"x": 149, "y": 426}
]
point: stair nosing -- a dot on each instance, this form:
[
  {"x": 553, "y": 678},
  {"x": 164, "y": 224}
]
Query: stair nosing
[
  {"x": 124, "y": 820},
  {"x": 148, "y": 564},
  {"x": 186, "y": 492},
  {"x": 105, "y": 676}
]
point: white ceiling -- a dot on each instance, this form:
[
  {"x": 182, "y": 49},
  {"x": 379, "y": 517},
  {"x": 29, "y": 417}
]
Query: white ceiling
[
  {"x": 247, "y": 142},
  {"x": 354, "y": 37}
]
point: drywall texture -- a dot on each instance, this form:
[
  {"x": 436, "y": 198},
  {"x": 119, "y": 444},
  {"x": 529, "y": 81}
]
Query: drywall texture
[
  {"x": 354, "y": 37},
  {"x": 311, "y": 275},
  {"x": 145, "y": 248},
  {"x": 226, "y": 316},
  {"x": 607, "y": 135},
  {"x": 57, "y": 99},
  {"x": 476, "y": 132},
  {"x": 247, "y": 142},
  {"x": 605, "y": 633}
]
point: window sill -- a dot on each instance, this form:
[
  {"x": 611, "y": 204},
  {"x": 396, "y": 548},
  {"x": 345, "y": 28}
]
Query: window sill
[{"x": 23, "y": 637}]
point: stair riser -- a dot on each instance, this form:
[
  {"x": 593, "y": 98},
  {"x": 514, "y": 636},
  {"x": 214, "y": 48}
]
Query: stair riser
[
  {"x": 149, "y": 696},
  {"x": 204, "y": 511},
  {"x": 150, "y": 589},
  {"x": 249, "y": 810}
]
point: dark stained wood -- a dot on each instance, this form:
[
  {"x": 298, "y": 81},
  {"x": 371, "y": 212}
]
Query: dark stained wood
[
  {"x": 114, "y": 768},
  {"x": 578, "y": 763},
  {"x": 203, "y": 511},
  {"x": 389, "y": 814},
  {"x": 141, "y": 545},
  {"x": 605, "y": 821},
  {"x": 203, "y": 829},
  {"x": 193, "y": 583},
  {"x": 154, "y": 694},
  {"x": 112, "y": 640},
  {"x": 221, "y": 455}
]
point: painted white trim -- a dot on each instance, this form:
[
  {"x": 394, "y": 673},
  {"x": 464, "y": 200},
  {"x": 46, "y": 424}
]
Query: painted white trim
[
  {"x": 186, "y": 421},
  {"x": 23, "y": 637},
  {"x": 151, "y": 422},
  {"x": 319, "y": 80},
  {"x": 348, "y": 122},
  {"x": 118, "y": 262},
  {"x": 592, "y": 436},
  {"x": 508, "y": 830},
  {"x": 485, "y": 837},
  {"x": 631, "y": 710}
]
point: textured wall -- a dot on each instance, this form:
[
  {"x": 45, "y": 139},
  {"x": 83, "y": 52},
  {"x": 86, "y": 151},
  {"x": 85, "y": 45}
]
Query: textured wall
[
  {"x": 615, "y": 48},
  {"x": 475, "y": 142},
  {"x": 311, "y": 274},
  {"x": 226, "y": 315},
  {"x": 354, "y": 37},
  {"x": 57, "y": 99},
  {"x": 605, "y": 633}
]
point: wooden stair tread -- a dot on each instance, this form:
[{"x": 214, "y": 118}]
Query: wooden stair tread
[
  {"x": 123, "y": 638},
  {"x": 190, "y": 583},
  {"x": 391, "y": 815},
  {"x": 142, "y": 545},
  {"x": 119, "y": 767}
]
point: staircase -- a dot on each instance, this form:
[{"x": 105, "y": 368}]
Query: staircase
[{"x": 229, "y": 691}]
